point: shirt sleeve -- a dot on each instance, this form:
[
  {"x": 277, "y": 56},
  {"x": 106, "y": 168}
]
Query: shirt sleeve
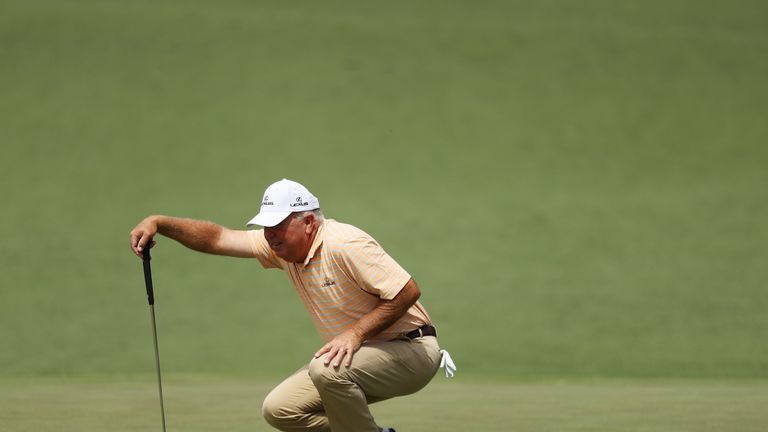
[
  {"x": 262, "y": 251},
  {"x": 372, "y": 269}
]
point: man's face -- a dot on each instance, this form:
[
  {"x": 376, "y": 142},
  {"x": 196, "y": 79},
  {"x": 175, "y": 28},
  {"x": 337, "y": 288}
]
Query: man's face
[{"x": 291, "y": 238}]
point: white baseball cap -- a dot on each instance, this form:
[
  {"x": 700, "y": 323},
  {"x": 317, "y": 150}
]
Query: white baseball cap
[{"x": 281, "y": 199}]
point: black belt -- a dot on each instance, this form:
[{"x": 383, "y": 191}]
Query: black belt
[{"x": 426, "y": 330}]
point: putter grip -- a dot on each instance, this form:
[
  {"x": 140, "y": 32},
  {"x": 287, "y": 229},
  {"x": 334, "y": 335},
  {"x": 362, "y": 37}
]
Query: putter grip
[{"x": 148, "y": 276}]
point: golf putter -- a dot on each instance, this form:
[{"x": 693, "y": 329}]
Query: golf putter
[{"x": 151, "y": 301}]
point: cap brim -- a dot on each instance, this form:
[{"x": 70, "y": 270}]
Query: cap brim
[{"x": 268, "y": 219}]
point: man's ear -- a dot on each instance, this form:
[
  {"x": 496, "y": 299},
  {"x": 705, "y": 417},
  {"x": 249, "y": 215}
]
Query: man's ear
[{"x": 309, "y": 223}]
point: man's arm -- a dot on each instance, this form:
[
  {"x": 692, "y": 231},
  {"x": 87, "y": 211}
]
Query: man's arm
[
  {"x": 384, "y": 315},
  {"x": 198, "y": 235}
]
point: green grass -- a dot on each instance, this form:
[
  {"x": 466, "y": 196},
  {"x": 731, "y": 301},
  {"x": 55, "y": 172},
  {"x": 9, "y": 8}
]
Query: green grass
[
  {"x": 579, "y": 188},
  {"x": 235, "y": 405}
]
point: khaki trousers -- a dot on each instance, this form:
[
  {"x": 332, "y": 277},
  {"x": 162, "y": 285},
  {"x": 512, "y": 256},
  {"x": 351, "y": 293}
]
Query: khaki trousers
[{"x": 320, "y": 398}]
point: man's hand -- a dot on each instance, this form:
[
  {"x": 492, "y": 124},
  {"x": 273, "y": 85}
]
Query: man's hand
[
  {"x": 142, "y": 235},
  {"x": 343, "y": 346}
]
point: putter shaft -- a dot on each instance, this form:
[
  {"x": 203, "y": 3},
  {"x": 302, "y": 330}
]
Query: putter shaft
[
  {"x": 151, "y": 301},
  {"x": 157, "y": 362}
]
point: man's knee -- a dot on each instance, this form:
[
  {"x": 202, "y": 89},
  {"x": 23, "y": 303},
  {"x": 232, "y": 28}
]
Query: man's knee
[
  {"x": 321, "y": 374},
  {"x": 276, "y": 413},
  {"x": 270, "y": 409}
]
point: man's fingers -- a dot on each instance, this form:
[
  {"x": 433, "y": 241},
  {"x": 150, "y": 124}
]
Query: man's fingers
[
  {"x": 331, "y": 355},
  {"x": 142, "y": 242},
  {"x": 343, "y": 356},
  {"x": 135, "y": 237},
  {"x": 145, "y": 242},
  {"x": 142, "y": 236},
  {"x": 340, "y": 350},
  {"x": 339, "y": 357},
  {"x": 349, "y": 356},
  {"x": 322, "y": 350}
]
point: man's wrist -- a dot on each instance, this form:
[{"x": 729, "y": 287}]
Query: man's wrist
[
  {"x": 160, "y": 223},
  {"x": 359, "y": 333}
]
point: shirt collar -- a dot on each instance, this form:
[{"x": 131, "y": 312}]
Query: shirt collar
[{"x": 315, "y": 243}]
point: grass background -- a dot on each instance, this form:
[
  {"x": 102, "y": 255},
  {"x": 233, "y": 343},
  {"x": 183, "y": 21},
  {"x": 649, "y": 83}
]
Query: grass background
[
  {"x": 578, "y": 187},
  {"x": 233, "y": 405}
]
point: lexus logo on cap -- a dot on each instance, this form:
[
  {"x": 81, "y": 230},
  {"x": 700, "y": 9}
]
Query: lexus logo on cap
[
  {"x": 267, "y": 201},
  {"x": 299, "y": 203}
]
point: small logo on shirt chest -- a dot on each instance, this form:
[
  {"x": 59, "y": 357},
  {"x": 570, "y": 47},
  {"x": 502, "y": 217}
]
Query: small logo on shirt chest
[{"x": 328, "y": 282}]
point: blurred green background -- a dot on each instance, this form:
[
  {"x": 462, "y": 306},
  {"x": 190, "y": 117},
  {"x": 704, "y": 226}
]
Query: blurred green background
[{"x": 578, "y": 187}]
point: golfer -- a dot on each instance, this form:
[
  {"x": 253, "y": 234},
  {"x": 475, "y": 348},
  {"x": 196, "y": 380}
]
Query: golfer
[{"x": 380, "y": 342}]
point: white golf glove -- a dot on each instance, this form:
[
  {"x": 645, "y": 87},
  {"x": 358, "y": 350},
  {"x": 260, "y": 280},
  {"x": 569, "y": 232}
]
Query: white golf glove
[{"x": 447, "y": 363}]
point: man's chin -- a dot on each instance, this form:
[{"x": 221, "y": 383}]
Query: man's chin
[{"x": 285, "y": 257}]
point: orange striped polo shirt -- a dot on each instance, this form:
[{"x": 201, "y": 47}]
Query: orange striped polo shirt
[{"x": 343, "y": 278}]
